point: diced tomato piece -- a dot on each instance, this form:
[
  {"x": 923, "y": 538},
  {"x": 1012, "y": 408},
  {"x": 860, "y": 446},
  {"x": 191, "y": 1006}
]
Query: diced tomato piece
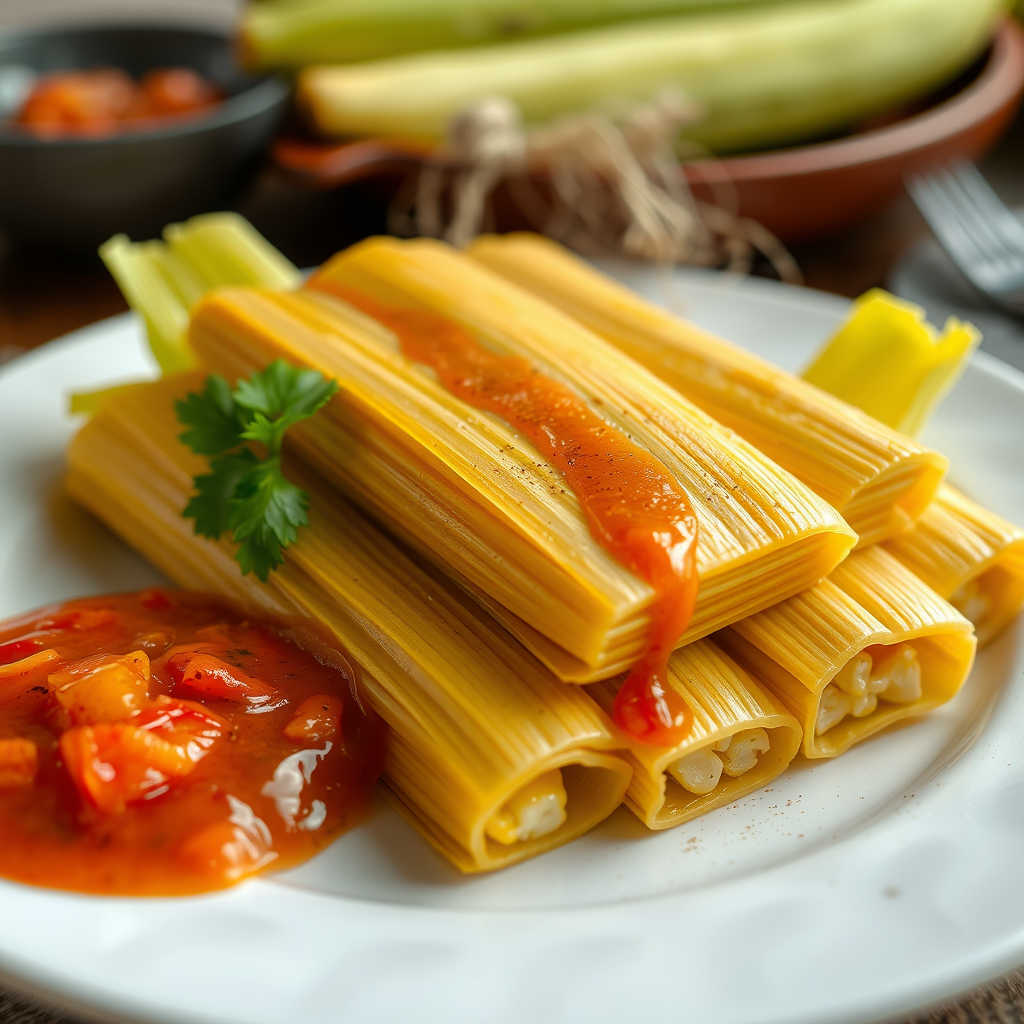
[
  {"x": 19, "y": 762},
  {"x": 175, "y": 661},
  {"x": 316, "y": 719},
  {"x": 155, "y": 599},
  {"x": 185, "y": 723},
  {"x": 174, "y": 91},
  {"x": 173, "y": 713},
  {"x": 81, "y": 621},
  {"x": 33, "y": 661},
  {"x": 103, "y": 688},
  {"x": 84, "y": 100},
  {"x": 100, "y": 101},
  {"x": 18, "y": 649},
  {"x": 115, "y": 765},
  {"x": 111, "y": 692},
  {"x": 211, "y": 677},
  {"x": 136, "y": 662}
]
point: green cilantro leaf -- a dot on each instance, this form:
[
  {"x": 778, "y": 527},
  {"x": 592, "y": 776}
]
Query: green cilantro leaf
[
  {"x": 280, "y": 396},
  {"x": 244, "y": 494},
  {"x": 211, "y": 506},
  {"x": 268, "y": 432},
  {"x": 266, "y": 513},
  {"x": 214, "y": 420}
]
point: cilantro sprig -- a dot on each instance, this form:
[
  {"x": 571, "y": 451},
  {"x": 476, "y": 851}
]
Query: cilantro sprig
[{"x": 246, "y": 493}]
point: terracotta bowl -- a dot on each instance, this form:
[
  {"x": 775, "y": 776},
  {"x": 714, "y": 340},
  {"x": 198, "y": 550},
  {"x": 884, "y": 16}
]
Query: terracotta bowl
[{"x": 799, "y": 193}]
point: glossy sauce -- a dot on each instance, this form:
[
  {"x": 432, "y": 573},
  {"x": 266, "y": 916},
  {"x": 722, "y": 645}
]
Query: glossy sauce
[
  {"x": 634, "y": 507},
  {"x": 165, "y": 743}
]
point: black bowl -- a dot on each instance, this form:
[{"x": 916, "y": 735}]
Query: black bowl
[{"x": 70, "y": 194}]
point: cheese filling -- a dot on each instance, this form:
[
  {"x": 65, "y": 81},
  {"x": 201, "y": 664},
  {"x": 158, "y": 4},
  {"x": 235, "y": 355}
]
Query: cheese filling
[
  {"x": 535, "y": 810},
  {"x": 972, "y": 601},
  {"x": 735, "y": 755},
  {"x": 862, "y": 682}
]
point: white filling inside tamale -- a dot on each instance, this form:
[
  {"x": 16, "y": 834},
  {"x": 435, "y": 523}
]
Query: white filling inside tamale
[
  {"x": 698, "y": 772},
  {"x": 702, "y": 770},
  {"x": 535, "y": 810},
  {"x": 973, "y": 601},
  {"x": 742, "y": 753},
  {"x": 894, "y": 676}
]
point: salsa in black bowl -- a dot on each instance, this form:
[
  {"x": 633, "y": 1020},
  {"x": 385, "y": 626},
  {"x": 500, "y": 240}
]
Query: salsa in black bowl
[{"x": 70, "y": 192}]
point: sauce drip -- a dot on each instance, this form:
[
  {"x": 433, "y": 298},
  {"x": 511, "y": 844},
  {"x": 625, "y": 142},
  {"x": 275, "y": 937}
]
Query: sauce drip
[
  {"x": 165, "y": 743},
  {"x": 634, "y": 507}
]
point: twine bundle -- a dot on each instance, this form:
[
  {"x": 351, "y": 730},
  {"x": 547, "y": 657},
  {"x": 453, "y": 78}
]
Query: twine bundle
[{"x": 615, "y": 182}]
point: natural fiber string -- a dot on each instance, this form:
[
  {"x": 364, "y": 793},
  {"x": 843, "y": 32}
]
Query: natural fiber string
[{"x": 615, "y": 180}]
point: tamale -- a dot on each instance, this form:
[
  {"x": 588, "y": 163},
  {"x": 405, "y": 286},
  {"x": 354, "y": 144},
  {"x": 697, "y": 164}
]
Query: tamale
[
  {"x": 867, "y": 647},
  {"x": 741, "y": 739},
  {"x": 472, "y": 494},
  {"x": 477, "y": 724},
  {"x": 879, "y": 480},
  {"x": 971, "y": 557}
]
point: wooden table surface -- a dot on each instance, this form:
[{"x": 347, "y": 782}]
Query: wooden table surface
[{"x": 41, "y": 299}]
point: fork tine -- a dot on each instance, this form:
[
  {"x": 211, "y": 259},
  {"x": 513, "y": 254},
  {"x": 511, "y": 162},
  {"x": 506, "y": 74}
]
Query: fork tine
[
  {"x": 975, "y": 220},
  {"x": 981, "y": 235},
  {"x": 989, "y": 204},
  {"x": 986, "y": 218},
  {"x": 945, "y": 220}
]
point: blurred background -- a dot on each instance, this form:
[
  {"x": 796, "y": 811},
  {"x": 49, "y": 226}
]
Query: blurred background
[
  {"x": 831, "y": 189},
  {"x": 18, "y": 13}
]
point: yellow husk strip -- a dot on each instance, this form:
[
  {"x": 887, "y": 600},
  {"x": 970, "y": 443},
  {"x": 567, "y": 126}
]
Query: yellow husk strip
[
  {"x": 157, "y": 286},
  {"x": 889, "y": 361},
  {"x": 880, "y": 480},
  {"x": 473, "y": 495},
  {"x": 161, "y": 280},
  {"x": 472, "y": 715},
  {"x": 224, "y": 248},
  {"x": 957, "y": 544},
  {"x": 724, "y": 699},
  {"x": 796, "y": 648}
]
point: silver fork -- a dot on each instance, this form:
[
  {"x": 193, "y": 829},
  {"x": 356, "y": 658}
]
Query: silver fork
[{"x": 983, "y": 238}]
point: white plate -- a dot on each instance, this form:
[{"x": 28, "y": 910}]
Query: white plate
[{"x": 846, "y": 891}]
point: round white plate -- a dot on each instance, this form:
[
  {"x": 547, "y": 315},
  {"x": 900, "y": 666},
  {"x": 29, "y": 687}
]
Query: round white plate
[{"x": 846, "y": 891}]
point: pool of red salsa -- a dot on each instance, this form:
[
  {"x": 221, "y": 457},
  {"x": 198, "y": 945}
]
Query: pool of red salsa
[{"x": 249, "y": 746}]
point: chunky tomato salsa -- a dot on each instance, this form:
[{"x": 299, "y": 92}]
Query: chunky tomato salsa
[
  {"x": 165, "y": 743},
  {"x": 106, "y": 100}
]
